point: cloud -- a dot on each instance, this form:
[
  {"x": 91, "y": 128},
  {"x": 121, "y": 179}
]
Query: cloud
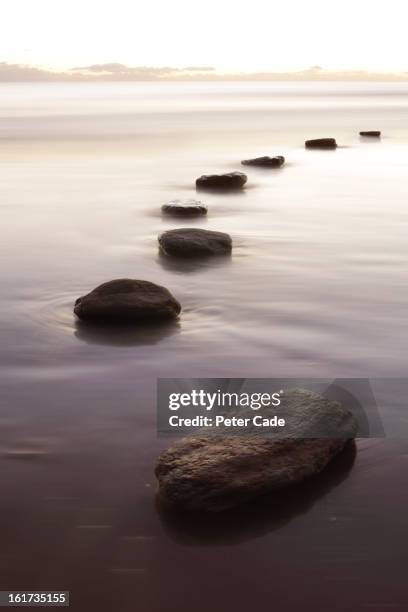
[
  {"x": 198, "y": 69},
  {"x": 113, "y": 67},
  {"x": 115, "y": 71},
  {"x": 121, "y": 70},
  {"x": 21, "y": 72}
]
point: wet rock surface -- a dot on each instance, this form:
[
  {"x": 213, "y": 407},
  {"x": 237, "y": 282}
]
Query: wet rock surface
[
  {"x": 184, "y": 208},
  {"x": 265, "y": 161},
  {"x": 211, "y": 473},
  {"x": 321, "y": 143},
  {"x": 231, "y": 180},
  {"x": 191, "y": 242},
  {"x": 268, "y": 514},
  {"x": 127, "y": 301}
]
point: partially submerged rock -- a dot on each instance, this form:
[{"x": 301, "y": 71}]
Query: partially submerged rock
[
  {"x": 184, "y": 208},
  {"x": 127, "y": 301},
  {"x": 231, "y": 180},
  {"x": 265, "y": 161},
  {"x": 371, "y": 133},
  {"x": 321, "y": 143},
  {"x": 211, "y": 473},
  {"x": 192, "y": 242}
]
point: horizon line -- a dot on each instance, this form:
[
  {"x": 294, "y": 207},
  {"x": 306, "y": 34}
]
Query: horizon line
[{"x": 116, "y": 71}]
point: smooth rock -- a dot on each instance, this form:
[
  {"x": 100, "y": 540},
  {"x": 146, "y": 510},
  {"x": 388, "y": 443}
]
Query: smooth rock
[
  {"x": 321, "y": 143},
  {"x": 231, "y": 180},
  {"x": 372, "y": 134},
  {"x": 265, "y": 162},
  {"x": 127, "y": 301},
  {"x": 192, "y": 242},
  {"x": 211, "y": 473},
  {"x": 184, "y": 208}
]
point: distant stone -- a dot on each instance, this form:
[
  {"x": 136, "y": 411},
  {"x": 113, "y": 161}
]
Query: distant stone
[
  {"x": 212, "y": 473},
  {"x": 231, "y": 180},
  {"x": 191, "y": 242},
  {"x": 371, "y": 134},
  {"x": 321, "y": 143},
  {"x": 265, "y": 162},
  {"x": 184, "y": 208},
  {"x": 127, "y": 301}
]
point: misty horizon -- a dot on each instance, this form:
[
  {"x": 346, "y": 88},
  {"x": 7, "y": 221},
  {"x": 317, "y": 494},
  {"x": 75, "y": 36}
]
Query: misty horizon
[{"x": 116, "y": 71}]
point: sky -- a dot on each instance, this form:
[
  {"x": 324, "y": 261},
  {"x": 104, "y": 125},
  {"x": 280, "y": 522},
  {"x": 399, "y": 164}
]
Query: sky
[{"x": 247, "y": 36}]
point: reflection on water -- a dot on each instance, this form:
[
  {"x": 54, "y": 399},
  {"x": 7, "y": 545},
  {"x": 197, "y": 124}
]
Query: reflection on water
[
  {"x": 315, "y": 287},
  {"x": 126, "y": 335},
  {"x": 194, "y": 264}
]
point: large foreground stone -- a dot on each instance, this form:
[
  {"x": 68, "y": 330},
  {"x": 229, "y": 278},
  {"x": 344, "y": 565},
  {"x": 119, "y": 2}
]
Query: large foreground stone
[
  {"x": 191, "y": 242},
  {"x": 265, "y": 162},
  {"x": 211, "y": 473},
  {"x": 126, "y": 301},
  {"x": 184, "y": 208},
  {"x": 231, "y": 180},
  {"x": 321, "y": 143},
  {"x": 371, "y": 133}
]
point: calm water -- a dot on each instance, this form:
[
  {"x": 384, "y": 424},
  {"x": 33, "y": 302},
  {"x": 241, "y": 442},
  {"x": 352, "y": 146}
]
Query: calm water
[{"x": 316, "y": 286}]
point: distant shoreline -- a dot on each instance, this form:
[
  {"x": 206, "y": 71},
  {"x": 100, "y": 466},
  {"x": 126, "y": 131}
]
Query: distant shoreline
[
  {"x": 174, "y": 81},
  {"x": 116, "y": 72},
  {"x": 221, "y": 79}
]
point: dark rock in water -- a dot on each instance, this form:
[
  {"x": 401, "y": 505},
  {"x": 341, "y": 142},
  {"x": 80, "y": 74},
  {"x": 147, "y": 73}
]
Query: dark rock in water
[
  {"x": 321, "y": 143},
  {"x": 184, "y": 208},
  {"x": 126, "y": 301},
  {"x": 372, "y": 134},
  {"x": 232, "y": 180},
  {"x": 211, "y": 473},
  {"x": 265, "y": 162},
  {"x": 261, "y": 517},
  {"x": 190, "y": 242}
]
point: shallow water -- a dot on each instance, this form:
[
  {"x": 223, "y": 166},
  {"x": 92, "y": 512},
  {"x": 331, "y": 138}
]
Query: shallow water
[{"x": 315, "y": 287}]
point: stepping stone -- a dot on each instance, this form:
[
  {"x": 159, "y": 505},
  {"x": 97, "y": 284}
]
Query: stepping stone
[
  {"x": 184, "y": 208},
  {"x": 191, "y": 242},
  {"x": 231, "y": 180},
  {"x": 206, "y": 472},
  {"x": 371, "y": 134},
  {"x": 265, "y": 162},
  {"x": 126, "y": 301},
  {"x": 321, "y": 143}
]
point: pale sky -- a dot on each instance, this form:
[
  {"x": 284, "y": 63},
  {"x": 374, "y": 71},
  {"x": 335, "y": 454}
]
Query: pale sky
[{"x": 232, "y": 35}]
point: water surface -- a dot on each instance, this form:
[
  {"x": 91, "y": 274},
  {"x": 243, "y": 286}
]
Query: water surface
[{"x": 316, "y": 286}]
